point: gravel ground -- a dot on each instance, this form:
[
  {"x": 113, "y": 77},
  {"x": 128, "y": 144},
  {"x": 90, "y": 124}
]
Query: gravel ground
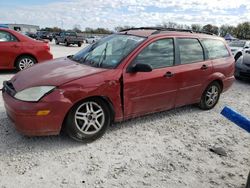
[{"x": 168, "y": 149}]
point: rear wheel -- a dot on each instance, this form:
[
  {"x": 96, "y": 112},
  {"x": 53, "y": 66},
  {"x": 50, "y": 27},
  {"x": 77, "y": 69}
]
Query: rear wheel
[
  {"x": 210, "y": 96},
  {"x": 79, "y": 44},
  {"x": 24, "y": 62},
  {"x": 88, "y": 120}
]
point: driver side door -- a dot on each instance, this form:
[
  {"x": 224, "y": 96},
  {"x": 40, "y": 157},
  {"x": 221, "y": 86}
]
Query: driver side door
[{"x": 147, "y": 92}]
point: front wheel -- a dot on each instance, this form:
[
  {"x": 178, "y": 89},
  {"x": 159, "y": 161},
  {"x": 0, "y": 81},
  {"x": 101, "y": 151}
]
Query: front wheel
[
  {"x": 210, "y": 96},
  {"x": 79, "y": 44},
  {"x": 88, "y": 120}
]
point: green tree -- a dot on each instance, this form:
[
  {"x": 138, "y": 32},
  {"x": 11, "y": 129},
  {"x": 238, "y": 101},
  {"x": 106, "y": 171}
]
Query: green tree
[
  {"x": 224, "y": 29},
  {"x": 196, "y": 27},
  {"x": 211, "y": 29}
]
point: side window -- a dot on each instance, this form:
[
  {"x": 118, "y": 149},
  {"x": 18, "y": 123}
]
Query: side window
[
  {"x": 7, "y": 37},
  {"x": 215, "y": 48},
  {"x": 191, "y": 50},
  {"x": 157, "y": 54}
]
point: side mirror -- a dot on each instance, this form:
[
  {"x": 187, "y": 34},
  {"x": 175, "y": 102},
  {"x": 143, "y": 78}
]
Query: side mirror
[
  {"x": 246, "y": 47},
  {"x": 140, "y": 67}
]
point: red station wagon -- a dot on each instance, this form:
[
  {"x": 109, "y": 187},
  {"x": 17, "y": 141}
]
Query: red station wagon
[
  {"x": 125, "y": 75},
  {"x": 18, "y": 51}
]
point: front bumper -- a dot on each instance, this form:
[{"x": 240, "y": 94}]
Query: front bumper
[
  {"x": 242, "y": 71},
  {"x": 25, "y": 118}
]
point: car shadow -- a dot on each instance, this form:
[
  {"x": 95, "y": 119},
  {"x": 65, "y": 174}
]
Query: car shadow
[
  {"x": 242, "y": 80},
  {"x": 12, "y": 139},
  {"x": 158, "y": 116},
  {"x": 4, "y": 72}
]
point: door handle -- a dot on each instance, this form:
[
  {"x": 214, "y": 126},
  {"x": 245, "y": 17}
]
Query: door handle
[
  {"x": 168, "y": 74},
  {"x": 204, "y": 67}
]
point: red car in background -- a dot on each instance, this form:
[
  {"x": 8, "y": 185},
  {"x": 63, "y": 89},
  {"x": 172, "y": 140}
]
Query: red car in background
[{"x": 18, "y": 51}]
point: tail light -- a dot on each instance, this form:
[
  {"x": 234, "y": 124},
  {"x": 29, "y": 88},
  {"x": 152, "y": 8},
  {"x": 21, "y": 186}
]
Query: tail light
[{"x": 47, "y": 47}]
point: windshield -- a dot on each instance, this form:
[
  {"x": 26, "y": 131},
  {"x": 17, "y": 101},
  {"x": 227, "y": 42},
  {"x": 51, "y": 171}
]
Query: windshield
[
  {"x": 109, "y": 51},
  {"x": 237, "y": 44}
]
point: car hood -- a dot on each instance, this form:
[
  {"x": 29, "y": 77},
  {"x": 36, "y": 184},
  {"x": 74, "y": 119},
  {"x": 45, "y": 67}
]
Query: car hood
[{"x": 54, "y": 73}]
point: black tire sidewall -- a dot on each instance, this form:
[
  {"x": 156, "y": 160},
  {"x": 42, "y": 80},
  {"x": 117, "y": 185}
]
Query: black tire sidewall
[
  {"x": 75, "y": 133},
  {"x": 202, "y": 103}
]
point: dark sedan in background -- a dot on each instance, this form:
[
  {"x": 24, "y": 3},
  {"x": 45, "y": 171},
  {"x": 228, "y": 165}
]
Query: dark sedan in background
[
  {"x": 242, "y": 67},
  {"x": 44, "y": 35}
]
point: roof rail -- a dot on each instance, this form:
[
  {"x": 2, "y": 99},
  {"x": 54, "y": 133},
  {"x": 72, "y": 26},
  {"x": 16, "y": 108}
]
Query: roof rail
[{"x": 160, "y": 29}]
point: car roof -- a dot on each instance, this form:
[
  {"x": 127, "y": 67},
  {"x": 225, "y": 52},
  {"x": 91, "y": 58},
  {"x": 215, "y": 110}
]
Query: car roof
[
  {"x": 20, "y": 36},
  {"x": 152, "y": 33}
]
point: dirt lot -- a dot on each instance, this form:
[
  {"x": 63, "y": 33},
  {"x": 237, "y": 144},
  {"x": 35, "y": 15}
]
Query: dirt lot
[{"x": 168, "y": 149}]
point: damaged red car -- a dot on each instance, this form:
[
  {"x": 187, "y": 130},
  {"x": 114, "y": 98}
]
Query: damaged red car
[{"x": 125, "y": 75}]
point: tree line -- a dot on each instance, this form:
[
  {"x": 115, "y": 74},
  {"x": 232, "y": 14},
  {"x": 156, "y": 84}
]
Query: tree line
[{"x": 241, "y": 31}]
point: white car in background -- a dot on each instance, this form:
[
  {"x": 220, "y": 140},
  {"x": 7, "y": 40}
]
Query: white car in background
[
  {"x": 238, "y": 47},
  {"x": 92, "y": 39}
]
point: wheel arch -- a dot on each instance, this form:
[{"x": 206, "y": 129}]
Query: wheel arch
[
  {"x": 105, "y": 99},
  {"x": 237, "y": 55},
  {"x": 219, "y": 82},
  {"x": 24, "y": 54}
]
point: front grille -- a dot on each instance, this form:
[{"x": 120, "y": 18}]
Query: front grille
[{"x": 9, "y": 88}]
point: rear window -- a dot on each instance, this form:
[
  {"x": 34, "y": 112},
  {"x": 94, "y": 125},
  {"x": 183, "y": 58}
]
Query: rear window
[
  {"x": 215, "y": 48},
  {"x": 191, "y": 50}
]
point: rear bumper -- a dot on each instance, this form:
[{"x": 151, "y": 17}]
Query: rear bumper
[
  {"x": 227, "y": 83},
  {"x": 25, "y": 118},
  {"x": 44, "y": 56}
]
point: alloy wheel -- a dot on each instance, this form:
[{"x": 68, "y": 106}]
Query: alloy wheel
[
  {"x": 89, "y": 118},
  {"x": 25, "y": 63},
  {"x": 212, "y": 95}
]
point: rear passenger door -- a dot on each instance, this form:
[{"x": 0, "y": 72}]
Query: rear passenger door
[
  {"x": 193, "y": 70},
  {"x": 223, "y": 62}
]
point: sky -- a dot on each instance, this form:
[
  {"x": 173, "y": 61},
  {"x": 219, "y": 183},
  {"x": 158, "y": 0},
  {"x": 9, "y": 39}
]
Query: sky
[{"x": 111, "y": 13}]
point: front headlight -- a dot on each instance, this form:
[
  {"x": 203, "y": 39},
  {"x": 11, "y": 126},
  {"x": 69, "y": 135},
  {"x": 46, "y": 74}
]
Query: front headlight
[{"x": 33, "y": 94}]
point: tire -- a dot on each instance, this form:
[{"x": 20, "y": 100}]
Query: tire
[
  {"x": 79, "y": 44},
  {"x": 67, "y": 43},
  {"x": 25, "y": 62},
  {"x": 81, "y": 122},
  {"x": 57, "y": 43},
  {"x": 248, "y": 181},
  {"x": 210, "y": 96}
]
